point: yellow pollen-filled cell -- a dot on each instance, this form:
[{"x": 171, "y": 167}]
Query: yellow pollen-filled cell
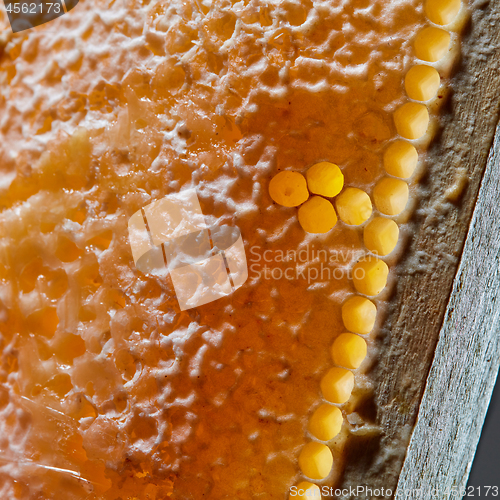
[
  {"x": 400, "y": 159},
  {"x": 337, "y": 385},
  {"x": 370, "y": 276},
  {"x": 422, "y": 82},
  {"x": 349, "y": 350},
  {"x": 354, "y": 206},
  {"x": 306, "y": 491},
  {"x": 325, "y": 178},
  {"x": 359, "y": 314},
  {"x": 442, "y": 11},
  {"x": 288, "y": 189},
  {"x": 411, "y": 120},
  {"x": 317, "y": 215},
  {"x": 391, "y": 195},
  {"x": 325, "y": 422},
  {"x": 316, "y": 460},
  {"x": 381, "y": 235},
  {"x": 431, "y": 44}
]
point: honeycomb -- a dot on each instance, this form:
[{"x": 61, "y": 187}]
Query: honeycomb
[{"x": 107, "y": 389}]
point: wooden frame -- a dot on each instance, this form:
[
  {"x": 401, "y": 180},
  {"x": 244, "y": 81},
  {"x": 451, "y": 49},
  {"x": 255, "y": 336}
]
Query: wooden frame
[{"x": 437, "y": 316}]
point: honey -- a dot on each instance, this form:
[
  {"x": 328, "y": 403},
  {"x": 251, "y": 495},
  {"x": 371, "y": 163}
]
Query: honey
[{"x": 110, "y": 391}]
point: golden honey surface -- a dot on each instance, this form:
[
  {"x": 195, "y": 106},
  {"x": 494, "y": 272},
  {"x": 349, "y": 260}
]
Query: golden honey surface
[{"x": 107, "y": 389}]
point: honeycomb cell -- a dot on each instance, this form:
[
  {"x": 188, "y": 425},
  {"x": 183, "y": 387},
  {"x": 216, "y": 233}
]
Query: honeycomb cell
[
  {"x": 325, "y": 422},
  {"x": 60, "y": 384},
  {"x": 431, "y": 44},
  {"x": 120, "y": 401},
  {"x": 422, "y": 82},
  {"x": 371, "y": 128},
  {"x": 295, "y": 13},
  {"x": 288, "y": 189},
  {"x": 400, "y": 159},
  {"x": 69, "y": 347},
  {"x": 325, "y": 178},
  {"x": 349, "y": 350},
  {"x": 411, "y": 120},
  {"x": 337, "y": 385},
  {"x": 317, "y": 215},
  {"x": 77, "y": 214},
  {"x": 57, "y": 283},
  {"x": 316, "y": 460},
  {"x": 442, "y": 11},
  {"x": 307, "y": 491},
  {"x": 83, "y": 408},
  {"x": 125, "y": 362},
  {"x": 43, "y": 322},
  {"x": 370, "y": 276},
  {"x": 101, "y": 241},
  {"x": 30, "y": 274},
  {"x": 169, "y": 78},
  {"x": 67, "y": 251},
  {"x": 391, "y": 195},
  {"x": 142, "y": 427},
  {"x": 354, "y": 206},
  {"x": 381, "y": 236},
  {"x": 359, "y": 314},
  {"x": 86, "y": 314}
]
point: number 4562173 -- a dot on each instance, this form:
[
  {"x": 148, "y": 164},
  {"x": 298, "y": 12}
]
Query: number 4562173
[
  {"x": 27, "y": 14},
  {"x": 33, "y": 8}
]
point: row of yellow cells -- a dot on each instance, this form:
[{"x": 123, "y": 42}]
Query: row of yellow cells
[{"x": 317, "y": 214}]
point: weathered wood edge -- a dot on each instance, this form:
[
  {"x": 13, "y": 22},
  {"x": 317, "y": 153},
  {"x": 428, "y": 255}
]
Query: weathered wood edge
[{"x": 466, "y": 361}]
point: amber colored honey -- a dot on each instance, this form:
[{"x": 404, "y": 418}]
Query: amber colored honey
[{"x": 102, "y": 378}]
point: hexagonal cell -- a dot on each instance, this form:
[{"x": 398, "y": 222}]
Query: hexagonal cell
[
  {"x": 353, "y": 206},
  {"x": 411, "y": 120},
  {"x": 422, "y": 82},
  {"x": 288, "y": 189},
  {"x": 391, "y": 195},
  {"x": 349, "y": 350},
  {"x": 442, "y": 11},
  {"x": 381, "y": 236},
  {"x": 43, "y": 322},
  {"x": 370, "y": 276},
  {"x": 400, "y": 159},
  {"x": 316, "y": 460},
  {"x": 359, "y": 314},
  {"x": 337, "y": 385},
  {"x": 432, "y": 44},
  {"x": 325, "y": 422},
  {"x": 317, "y": 215}
]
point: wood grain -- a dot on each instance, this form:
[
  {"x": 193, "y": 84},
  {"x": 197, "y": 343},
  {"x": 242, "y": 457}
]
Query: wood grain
[{"x": 414, "y": 315}]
